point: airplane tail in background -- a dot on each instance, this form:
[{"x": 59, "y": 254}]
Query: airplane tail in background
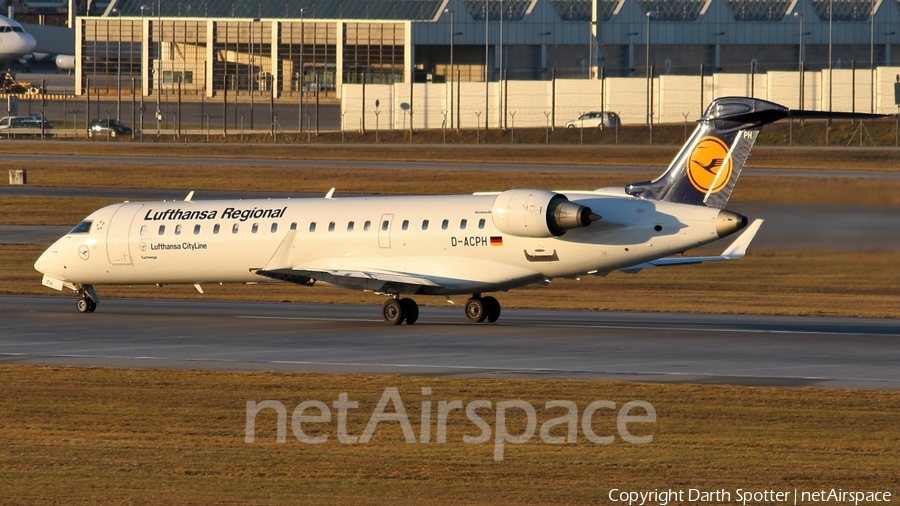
[{"x": 708, "y": 166}]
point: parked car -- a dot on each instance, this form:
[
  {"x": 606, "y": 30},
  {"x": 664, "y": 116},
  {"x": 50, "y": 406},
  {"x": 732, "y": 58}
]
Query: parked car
[
  {"x": 112, "y": 126},
  {"x": 595, "y": 120},
  {"x": 24, "y": 124}
]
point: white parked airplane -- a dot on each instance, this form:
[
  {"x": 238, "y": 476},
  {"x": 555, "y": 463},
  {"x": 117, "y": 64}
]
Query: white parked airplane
[
  {"x": 427, "y": 245},
  {"x": 15, "y": 42}
]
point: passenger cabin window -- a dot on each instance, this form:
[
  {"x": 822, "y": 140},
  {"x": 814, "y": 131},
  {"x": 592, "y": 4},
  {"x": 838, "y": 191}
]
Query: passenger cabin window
[
  {"x": 481, "y": 223},
  {"x": 143, "y": 230},
  {"x": 82, "y": 228},
  {"x": 162, "y": 230},
  {"x": 255, "y": 228},
  {"x": 234, "y": 229},
  {"x": 424, "y": 224},
  {"x": 366, "y": 225},
  {"x": 462, "y": 224},
  {"x": 445, "y": 224},
  {"x": 216, "y": 228},
  {"x": 405, "y": 224},
  {"x": 331, "y": 227},
  {"x": 294, "y": 226},
  {"x": 196, "y": 229},
  {"x": 274, "y": 228},
  {"x": 312, "y": 227},
  {"x": 385, "y": 224},
  {"x": 350, "y": 226},
  {"x": 178, "y": 229}
]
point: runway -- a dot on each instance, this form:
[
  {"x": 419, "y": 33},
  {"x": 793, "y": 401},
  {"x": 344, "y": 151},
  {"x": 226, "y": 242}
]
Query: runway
[{"x": 720, "y": 349}]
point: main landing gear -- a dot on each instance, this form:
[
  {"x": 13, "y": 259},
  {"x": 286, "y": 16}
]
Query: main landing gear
[
  {"x": 397, "y": 311},
  {"x": 478, "y": 309},
  {"x": 87, "y": 299}
]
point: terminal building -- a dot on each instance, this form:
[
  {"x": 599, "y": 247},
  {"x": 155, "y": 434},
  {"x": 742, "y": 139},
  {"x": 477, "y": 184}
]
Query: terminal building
[{"x": 283, "y": 48}]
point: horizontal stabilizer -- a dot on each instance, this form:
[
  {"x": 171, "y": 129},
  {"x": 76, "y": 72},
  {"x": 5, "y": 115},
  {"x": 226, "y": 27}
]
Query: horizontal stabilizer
[
  {"x": 800, "y": 114},
  {"x": 736, "y": 250}
]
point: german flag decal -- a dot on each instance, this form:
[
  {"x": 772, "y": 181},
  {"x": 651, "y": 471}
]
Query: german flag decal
[{"x": 496, "y": 241}]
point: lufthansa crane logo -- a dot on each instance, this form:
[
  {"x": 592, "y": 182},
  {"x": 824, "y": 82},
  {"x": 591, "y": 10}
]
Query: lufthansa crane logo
[
  {"x": 709, "y": 166},
  {"x": 84, "y": 252}
]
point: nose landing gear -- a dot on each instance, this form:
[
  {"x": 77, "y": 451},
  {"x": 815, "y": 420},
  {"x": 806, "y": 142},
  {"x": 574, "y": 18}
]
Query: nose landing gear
[
  {"x": 86, "y": 305},
  {"x": 87, "y": 302}
]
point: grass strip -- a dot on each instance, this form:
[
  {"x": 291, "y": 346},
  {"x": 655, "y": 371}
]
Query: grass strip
[
  {"x": 102, "y": 436},
  {"x": 595, "y": 151}
]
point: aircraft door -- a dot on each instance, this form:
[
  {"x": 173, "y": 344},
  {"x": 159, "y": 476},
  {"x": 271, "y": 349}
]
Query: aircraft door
[
  {"x": 384, "y": 231},
  {"x": 117, "y": 234}
]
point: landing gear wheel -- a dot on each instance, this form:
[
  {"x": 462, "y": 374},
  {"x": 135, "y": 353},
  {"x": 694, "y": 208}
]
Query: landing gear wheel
[
  {"x": 491, "y": 308},
  {"x": 392, "y": 312},
  {"x": 411, "y": 310},
  {"x": 86, "y": 305},
  {"x": 475, "y": 310}
]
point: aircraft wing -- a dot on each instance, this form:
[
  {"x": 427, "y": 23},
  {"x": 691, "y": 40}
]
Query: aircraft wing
[
  {"x": 279, "y": 267},
  {"x": 348, "y": 277},
  {"x": 737, "y": 250}
]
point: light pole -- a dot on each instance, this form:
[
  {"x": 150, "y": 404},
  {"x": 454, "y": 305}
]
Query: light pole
[
  {"x": 649, "y": 77},
  {"x": 487, "y": 75},
  {"x": 800, "y": 57},
  {"x": 830, "y": 34},
  {"x": 158, "y": 32},
  {"x": 302, "y": 37},
  {"x": 252, "y": 70},
  {"x": 118, "y": 14},
  {"x": 143, "y": 8},
  {"x": 872, "y": 57},
  {"x": 452, "y": 37}
]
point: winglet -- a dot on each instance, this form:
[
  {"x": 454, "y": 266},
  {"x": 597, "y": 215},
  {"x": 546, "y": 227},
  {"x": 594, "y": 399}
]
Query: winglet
[
  {"x": 189, "y": 196},
  {"x": 330, "y": 194},
  {"x": 739, "y": 247}
]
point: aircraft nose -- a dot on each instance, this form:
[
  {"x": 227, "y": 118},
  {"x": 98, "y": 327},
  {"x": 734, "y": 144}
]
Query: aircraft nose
[
  {"x": 45, "y": 263},
  {"x": 28, "y": 43}
]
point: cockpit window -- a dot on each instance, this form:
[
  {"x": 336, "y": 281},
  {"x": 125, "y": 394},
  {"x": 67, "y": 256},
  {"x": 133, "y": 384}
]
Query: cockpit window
[
  {"x": 18, "y": 29},
  {"x": 83, "y": 228}
]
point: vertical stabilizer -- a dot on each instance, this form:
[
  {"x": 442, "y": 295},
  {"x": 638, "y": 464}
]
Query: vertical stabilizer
[{"x": 708, "y": 166}]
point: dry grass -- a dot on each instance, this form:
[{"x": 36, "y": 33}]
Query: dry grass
[
  {"x": 784, "y": 283},
  {"x": 103, "y": 437}
]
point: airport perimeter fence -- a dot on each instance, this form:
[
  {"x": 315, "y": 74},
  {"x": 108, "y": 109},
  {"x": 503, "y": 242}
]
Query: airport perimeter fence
[{"x": 504, "y": 105}]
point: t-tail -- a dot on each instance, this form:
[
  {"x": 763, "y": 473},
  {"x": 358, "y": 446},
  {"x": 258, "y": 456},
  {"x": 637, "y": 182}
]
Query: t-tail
[
  {"x": 708, "y": 166},
  {"x": 710, "y": 163}
]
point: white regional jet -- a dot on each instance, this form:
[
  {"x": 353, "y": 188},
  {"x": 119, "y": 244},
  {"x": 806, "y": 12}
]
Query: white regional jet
[
  {"x": 15, "y": 42},
  {"x": 427, "y": 245}
]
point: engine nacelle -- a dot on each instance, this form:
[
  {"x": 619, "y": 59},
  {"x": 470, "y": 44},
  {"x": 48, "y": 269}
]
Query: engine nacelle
[
  {"x": 65, "y": 62},
  {"x": 538, "y": 213}
]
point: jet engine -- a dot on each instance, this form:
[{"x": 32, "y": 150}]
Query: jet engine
[
  {"x": 65, "y": 62},
  {"x": 538, "y": 213}
]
